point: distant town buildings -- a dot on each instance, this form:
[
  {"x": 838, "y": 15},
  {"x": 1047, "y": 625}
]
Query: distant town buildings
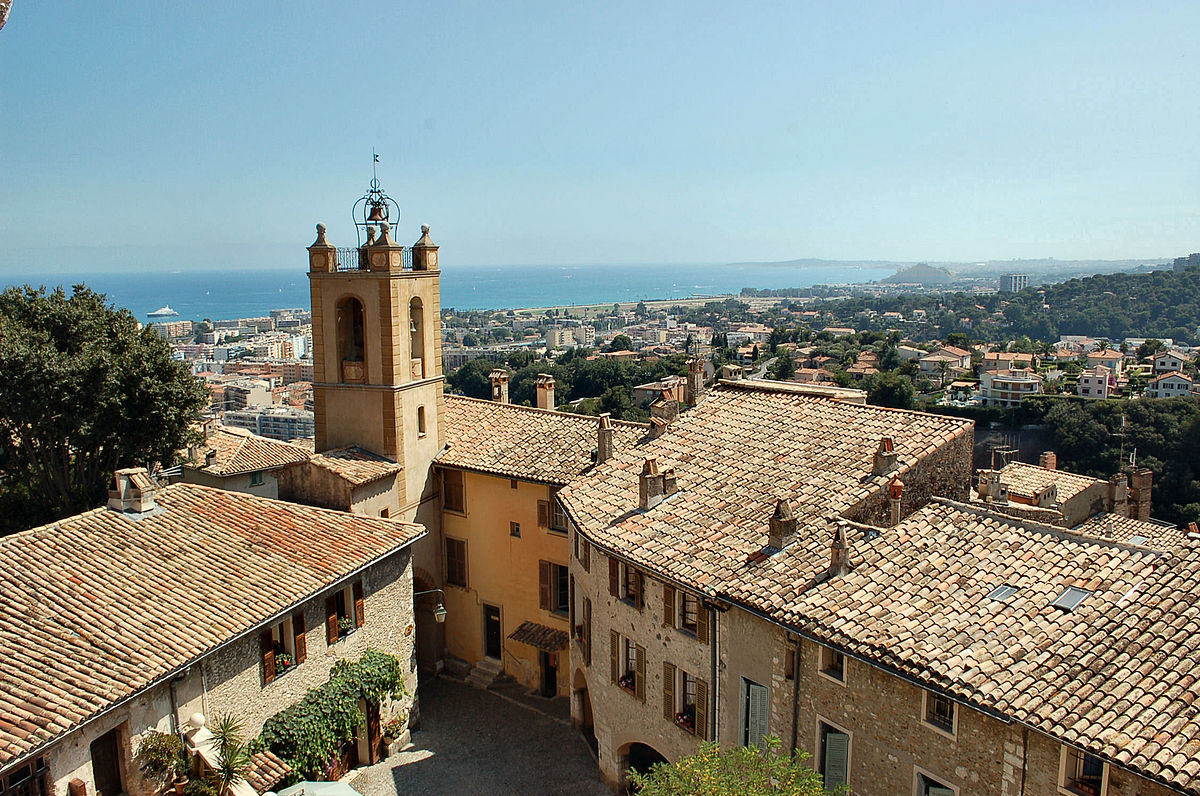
[{"x": 1013, "y": 283}]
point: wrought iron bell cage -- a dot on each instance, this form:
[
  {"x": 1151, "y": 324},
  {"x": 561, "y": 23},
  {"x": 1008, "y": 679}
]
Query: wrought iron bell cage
[{"x": 374, "y": 209}]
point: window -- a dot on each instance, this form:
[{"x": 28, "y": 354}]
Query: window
[
  {"x": 939, "y": 712},
  {"x": 928, "y": 786},
  {"x": 583, "y": 553},
  {"x": 456, "y": 562},
  {"x": 1082, "y": 773},
  {"x": 345, "y": 612},
  {"x": 283, "y": 647},
  {"x": 420, "y": 421},
  {"x": 688, "y": 608},
  {"x": 1070, "y": 599},
  {"x": 256, "y": 479},
  {"x": 558, "y": 517},
  {"x": 416, "y": 327},
  {"x": 789, "y": 664},
  {"x": 554, "y": 588},
  {"x": 30, "y": 779},
  {"x": 512, "y": 483},
  {"x": 834, "y": 756},
  {"x": 754, "y": 713},
  {"x": 1002, "y": 593},
  {"x": 630, "y": 659},
  {"x": 685, "y": 700},
  {"x": 385, "y": 513},
  {"x": 833, "y": 664},
  {"x": 514, "y": 529},
  {"x": 452, "y": 491},
  {"x": 631, "y": 585},
  {"x": 628, "y": 665}
]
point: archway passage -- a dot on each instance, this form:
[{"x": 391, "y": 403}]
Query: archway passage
[
  {"x": 430, "y": 639},
  {"x": 581, "y": 710},
  {"x": 640, "y": 757}
]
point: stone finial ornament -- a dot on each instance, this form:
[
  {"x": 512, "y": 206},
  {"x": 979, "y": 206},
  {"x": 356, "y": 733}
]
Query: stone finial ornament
[{"x": 320, "y": 241}]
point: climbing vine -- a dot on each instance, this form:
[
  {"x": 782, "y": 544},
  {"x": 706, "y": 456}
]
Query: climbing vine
[{"x": 308, "y": 734}]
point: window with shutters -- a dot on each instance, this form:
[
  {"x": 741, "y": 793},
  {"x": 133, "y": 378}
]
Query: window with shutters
[
  {"x": 1082, "y": 774},
  {"x": 456, "y": 562},
  {"x": 345, "y": 612},
  {"x": 686, "y": 717},
  {"x": 452, "y": 491},
  {"x": 929, "y": 785},
  {"x": 833, "y": 755},
  {"x": 583, "y": 553},
  {"x": 940, "y": 713},
  {"x": 833, "y": 665},
  {"x": 30, "y": 779},
  {"x": 284, "y": 647},
  {"x": 688, "y": 608},
  {"x": 554, "y": 588},
  {"x": 514, "y": 529},
  {"x": 755, "y": 708},
  {"x": 631, "y": 586},
  {"x": 629, "y": 665}
]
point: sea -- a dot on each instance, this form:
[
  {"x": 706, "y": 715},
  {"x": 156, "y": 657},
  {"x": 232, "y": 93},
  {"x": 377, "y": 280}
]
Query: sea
[{"x": 244, "y": 293}]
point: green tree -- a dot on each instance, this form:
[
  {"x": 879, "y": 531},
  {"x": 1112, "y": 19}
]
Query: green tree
[
  {"x": 83, "y": 392},
  {"x": 784, "y": 367},
  {"x": 621, "y": 342},
  {"x": 618, "y": 401},
  {"x": 735, "y": 771},
  {"x": 472, "y": 379},
  {"x": 891, "y": 389}
]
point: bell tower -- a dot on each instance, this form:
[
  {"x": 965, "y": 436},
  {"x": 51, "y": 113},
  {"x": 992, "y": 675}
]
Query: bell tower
[{"x": 377, "y": 351}]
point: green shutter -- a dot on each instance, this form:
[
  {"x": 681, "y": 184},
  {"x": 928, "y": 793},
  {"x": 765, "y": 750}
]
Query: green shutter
[
  {"x": 756, "y": 721},
  {"x": 836, "y": 768}
]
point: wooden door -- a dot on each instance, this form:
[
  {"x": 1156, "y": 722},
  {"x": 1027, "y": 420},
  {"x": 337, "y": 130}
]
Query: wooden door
[
  {"x": 492, "y": 632},
  {"x": 106, "y": 765}
]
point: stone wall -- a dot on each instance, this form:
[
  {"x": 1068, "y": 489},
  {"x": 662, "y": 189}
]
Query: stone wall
[{"x": 945, "y": 472}]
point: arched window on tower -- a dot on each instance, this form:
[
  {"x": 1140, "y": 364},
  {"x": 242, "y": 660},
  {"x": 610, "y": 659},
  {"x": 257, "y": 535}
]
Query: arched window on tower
[
  {"x": 416, "y": 325},
  {"x": 351, "y": 340}
]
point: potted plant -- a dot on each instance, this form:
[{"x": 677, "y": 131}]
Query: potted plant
[
  {"x": 345, "y": 625},
  {"x": 160, "y": 759},
  {"x": 283, "y": 662}
]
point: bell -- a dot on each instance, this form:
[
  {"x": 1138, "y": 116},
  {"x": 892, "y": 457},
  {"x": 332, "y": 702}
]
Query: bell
[{"x": 376, "y": 212}]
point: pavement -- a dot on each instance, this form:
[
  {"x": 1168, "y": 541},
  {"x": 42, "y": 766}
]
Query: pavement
[{"x": 484, "y": 742}]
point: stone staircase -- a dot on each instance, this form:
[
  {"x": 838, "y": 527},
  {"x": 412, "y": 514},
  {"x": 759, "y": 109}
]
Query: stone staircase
[{"x": 484, "y": 673}]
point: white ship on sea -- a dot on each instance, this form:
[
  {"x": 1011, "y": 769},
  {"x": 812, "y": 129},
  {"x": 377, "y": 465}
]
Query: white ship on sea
[{"x": 164, "y": 312}]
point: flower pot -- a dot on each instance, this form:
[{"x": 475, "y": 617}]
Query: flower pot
[{"x": 180, "y": 783}]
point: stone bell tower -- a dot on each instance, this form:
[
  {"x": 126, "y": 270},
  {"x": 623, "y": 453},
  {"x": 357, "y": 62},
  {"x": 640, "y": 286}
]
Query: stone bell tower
[{"x": 377, "y": 352}]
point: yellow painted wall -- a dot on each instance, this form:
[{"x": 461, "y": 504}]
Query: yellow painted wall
[{"x": 503, "y": 570}]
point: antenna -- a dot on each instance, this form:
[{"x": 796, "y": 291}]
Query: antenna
[{"x": 1121, "y": 434}]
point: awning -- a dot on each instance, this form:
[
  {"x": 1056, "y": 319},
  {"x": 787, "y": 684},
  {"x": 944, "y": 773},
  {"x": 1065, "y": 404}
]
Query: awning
[{"x": 540, "y": 637}]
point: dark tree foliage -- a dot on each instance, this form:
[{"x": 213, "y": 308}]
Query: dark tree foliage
[
  {"x": 83, "y": 392},
  {"x": 891, "y": 389},
  {"x": 621, "y": 342}
]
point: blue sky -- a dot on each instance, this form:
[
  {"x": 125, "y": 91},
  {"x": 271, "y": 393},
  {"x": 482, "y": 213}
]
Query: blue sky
[{"x": 219, "y": 133}]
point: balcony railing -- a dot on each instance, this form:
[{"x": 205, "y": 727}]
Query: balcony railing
[{"x": 355, "y": 259}]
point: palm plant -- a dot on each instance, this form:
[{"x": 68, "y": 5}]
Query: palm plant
[{"x": 233, "y": 754}]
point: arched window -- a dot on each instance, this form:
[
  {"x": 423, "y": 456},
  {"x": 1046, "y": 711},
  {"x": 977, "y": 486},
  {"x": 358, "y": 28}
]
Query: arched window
[
  {"x": 351, "y": 339},
  {"x": 421, "y": 421},
  {"x": 416, "y": 325}
]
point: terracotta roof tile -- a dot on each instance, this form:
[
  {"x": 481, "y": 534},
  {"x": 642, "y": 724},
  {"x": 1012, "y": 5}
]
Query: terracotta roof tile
[
  {"x": 522, "y": 442},
  {"x": 355, "y": 465},
  {"x": 238, "y": 451},
  {"x": 101, "y": 605},
  {"x": 1155, "y": 535},
  {"x": 540, "y": 637},
  {"x": 1026, "y": 480}
]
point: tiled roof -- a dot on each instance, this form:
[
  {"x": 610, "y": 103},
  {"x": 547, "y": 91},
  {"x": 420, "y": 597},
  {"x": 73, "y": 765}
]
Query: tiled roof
[
  {"x": 540, "y": 637},
  {"x": 267, "y": 769},
  {"x": 102, "y": 605},
  {"x": 238, "y": 451},
  {"x": 522, "y": 442},
  {"x": 355, "y": 465},
  {"x": 1156, "y": 536},
  {"x": 916, "y": 602},
  {"x": 1025, "y": 480},
  {"x": 734, "y": 454}
]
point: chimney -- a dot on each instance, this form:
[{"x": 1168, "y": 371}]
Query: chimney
[
  {"x": 695, "y": 381},
  {"x": 1048, "y": 460},
  {"x": 1118, "y": 495},
  {"x": 885, "y": 457},
  {"x": 1193, "y": 531},
  {"x": 499, "y": 379},
  {"x": 134, "y": 491},
  {"x": 991, "y": 490},
  {"x": 662, "y": 413},
  {"x": 731, "y": 372},
  {"x": 654, "y": 484},
  {"x": 604, "y": 439},
  {"x": 782, "y": 525},
  {"x": 545, "y": 391},
  {"x": 895, "y": 491},
  {"x": 839, "y": 553},
  {"x": 1139, "y": 493},
  {"x": 210, "y": 457}
]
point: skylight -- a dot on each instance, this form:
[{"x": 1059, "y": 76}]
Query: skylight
[
  {"x": 1001, "y": 593},
  {"x": 1070, "y": 599},
  {"x": 1138, "y": 539}
]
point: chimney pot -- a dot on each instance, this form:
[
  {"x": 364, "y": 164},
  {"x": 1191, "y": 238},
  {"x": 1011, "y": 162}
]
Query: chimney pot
[
  {"x": 1048, "y": 460},
  {"x": 885, "y": 457},
  {"x": 651, "y": 485},
  {"x": 839, "y": 553},
  {"x": 781, "y": 529},
  {"x": 604, "y": 438},
  {"x": 499, "y": 379},
  {"x": 545, "y": 391},
  {"x": 134, "y": 491}
]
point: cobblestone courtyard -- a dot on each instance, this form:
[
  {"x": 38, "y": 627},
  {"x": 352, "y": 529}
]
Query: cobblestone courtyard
[{"x": 476, "y": 742}]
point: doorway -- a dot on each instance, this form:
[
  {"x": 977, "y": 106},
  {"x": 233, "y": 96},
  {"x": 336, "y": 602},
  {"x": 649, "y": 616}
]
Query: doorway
[
  {"x": 106, "y": 765},
  {"x": 492, "y": 633},
  {"x": 549, "y": 662}
]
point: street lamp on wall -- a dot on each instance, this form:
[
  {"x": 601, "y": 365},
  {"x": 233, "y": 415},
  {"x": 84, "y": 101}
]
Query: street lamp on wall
[{"x": 439, "y": 610}]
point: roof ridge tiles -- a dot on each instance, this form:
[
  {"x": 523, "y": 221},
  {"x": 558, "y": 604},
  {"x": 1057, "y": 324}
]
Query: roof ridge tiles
[{"x": 539, "y": 410}]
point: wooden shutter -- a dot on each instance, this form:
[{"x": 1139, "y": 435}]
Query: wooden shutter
[
  {"x": 756, "y": 721},
  {"x": 669, "y": 691},
  {"x": 571, "y": 603},
  {"x": 702, "y": 620},
  {"x": 360, "y": 605},
  {"x": 267, "y": 645},
  {"x": 701, "y": 709},
  {"x": 544, "y": 585},
  {"x": 331, "y": 628},
  {"x": 587, "y": 631},
  {"x": 639, "y": 583},
  {"x": 614, "y": 577},
  {"x": 587, "y": 555},
  {"x": 837, "y": 759},
  {"x": 543, "y": 513},
  {"x": 301, "y": 642},
  {"x": 615, "y": 653},
  {"x": 640, "y": 683},
  {"x": 668, "y": 605}
]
